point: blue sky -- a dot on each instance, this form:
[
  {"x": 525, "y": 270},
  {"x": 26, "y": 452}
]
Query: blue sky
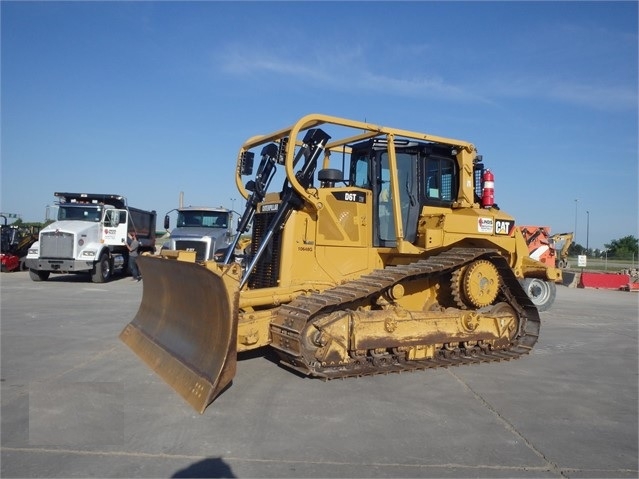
[{"x": 148, "y": 99}]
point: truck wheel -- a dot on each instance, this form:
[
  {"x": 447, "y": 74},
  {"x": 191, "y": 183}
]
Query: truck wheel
[
  {"x": 38, "y": 275},
  {"x": 102, "y": 270},
  {"x": 541, "y": 293}
]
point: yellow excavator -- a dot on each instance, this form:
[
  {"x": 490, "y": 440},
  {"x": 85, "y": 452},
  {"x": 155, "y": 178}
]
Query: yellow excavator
[
  {"x": 378, "y": 250},
  {"x": 566, "y": 239}
]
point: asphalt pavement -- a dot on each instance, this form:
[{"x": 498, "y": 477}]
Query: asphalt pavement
[{"x": 76, "y": 402}]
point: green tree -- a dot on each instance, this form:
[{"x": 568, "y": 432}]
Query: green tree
[
  {"x": 576, "y": 249},
  {"x": 623, "y": 248}
]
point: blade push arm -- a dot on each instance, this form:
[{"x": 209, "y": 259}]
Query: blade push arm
[
  {"x": 314, "y": 142},
  {"x": 258, "y": 188}
]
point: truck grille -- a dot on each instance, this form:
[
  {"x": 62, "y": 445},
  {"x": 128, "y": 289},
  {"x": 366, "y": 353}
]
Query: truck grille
[
  {"x": 266, "y": 273},
  {"x": 56, "y": 245},
  {"x": 198, "y": 246}
]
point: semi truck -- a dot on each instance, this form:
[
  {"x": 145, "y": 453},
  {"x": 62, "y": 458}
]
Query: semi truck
[
  {"x": 201, "y": 229},
  {"x": 90, "y": 236}
]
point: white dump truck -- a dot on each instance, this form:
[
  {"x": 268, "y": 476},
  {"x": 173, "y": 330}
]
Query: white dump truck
[
  {"x": 90, "y": 236},
  {"x": 201, "y": 229}
]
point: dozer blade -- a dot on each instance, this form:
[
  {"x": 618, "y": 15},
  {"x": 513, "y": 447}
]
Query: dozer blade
[{"x": 185, "y": 328}]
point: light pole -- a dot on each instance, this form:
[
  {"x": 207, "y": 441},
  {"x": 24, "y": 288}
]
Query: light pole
[
  {"x": 587, "y": 229},
  {"x": 575, "y": 233}
]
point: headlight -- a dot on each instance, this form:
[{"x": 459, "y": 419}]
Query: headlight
[
  {"x": 88, "y": 253},
  {"x": 33, "y": 251}
]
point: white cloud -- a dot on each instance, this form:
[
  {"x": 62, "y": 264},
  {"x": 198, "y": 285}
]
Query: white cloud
[
  {"x": 344, "y": 71},
  {"x": 353, "y": 70},
  {"x": 596, "y": 97}
]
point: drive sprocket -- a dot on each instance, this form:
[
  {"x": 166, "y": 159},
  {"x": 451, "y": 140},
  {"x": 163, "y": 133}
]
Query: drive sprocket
[
  {"x": 481, "y": 283},
  {"x": 475, "y": 285}
]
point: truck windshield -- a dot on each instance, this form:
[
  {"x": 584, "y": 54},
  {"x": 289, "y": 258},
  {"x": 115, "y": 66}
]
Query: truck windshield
[
  {"x": 206, "y": 219},
  {"x": 79, "y": 213}
]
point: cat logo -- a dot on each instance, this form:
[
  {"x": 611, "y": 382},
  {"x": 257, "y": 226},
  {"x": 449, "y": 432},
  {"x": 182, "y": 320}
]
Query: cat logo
[{"x": 504, "y": 227}]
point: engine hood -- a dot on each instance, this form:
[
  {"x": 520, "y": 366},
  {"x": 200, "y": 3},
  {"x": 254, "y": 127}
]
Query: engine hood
[{"x": 77, "y": 227}]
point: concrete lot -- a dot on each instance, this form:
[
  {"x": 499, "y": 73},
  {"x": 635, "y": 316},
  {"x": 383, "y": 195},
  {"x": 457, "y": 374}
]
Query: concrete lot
[{"x": 76, "y": 402}]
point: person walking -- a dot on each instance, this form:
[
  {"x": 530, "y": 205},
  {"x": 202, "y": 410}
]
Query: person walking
[{"x": 133, "y": 245}]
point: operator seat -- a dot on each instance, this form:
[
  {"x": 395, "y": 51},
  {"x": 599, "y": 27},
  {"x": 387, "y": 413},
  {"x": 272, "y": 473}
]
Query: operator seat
[{"x": 329, "y": 176}]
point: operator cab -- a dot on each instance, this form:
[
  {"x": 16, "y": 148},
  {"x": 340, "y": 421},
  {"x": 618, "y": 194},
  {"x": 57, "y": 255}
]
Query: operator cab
[{"x": 427, "y": 175}]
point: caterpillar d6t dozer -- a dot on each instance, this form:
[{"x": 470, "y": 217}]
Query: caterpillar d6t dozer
[{"x": 382, "y": 251}]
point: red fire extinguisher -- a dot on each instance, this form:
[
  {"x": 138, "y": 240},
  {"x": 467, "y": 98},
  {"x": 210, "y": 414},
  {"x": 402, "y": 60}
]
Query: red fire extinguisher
[{"x": 488, "y": 189}]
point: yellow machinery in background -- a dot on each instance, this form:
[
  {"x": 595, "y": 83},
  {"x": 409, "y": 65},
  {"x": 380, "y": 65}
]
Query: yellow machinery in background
[{"x": 378, "y": 250}]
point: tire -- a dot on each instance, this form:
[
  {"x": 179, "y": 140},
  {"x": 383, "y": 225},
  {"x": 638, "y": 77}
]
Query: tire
[
  {"x": 38, "y": 275},
  {"x": 541, "y": 293},
  {"x": 102, "y": 270}
]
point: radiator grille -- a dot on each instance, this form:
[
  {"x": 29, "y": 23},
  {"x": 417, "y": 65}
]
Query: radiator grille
[
  {"x": 56, "y": 245},
  {"x": 267, "y": 270},
  {"x": 198, "y": 246}
]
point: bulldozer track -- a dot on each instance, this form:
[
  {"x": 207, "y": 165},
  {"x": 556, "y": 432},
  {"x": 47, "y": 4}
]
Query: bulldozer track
[{"x": 293, "y": 318}]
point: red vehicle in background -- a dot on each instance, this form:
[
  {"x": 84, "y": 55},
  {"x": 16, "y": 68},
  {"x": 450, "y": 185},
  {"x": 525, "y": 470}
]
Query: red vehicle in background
[
  {"x": 542, "y": 246},
  {"x": 14, "y": 245}
]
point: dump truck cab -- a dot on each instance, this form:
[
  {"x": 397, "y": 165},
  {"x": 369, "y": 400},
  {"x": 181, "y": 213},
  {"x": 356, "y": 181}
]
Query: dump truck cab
[
  {"x": 90, "y": 236},
  {"x": 200, "y": 229}
]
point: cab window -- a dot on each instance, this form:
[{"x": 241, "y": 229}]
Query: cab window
[
  {"x": 406, "y": 162},
  {"x": 440, "y": 184},
  {"x": 361, "y": 174}
]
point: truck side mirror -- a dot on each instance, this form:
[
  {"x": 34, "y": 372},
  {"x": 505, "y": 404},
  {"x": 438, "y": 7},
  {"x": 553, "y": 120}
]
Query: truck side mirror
[{"x": 167, "y": 222}]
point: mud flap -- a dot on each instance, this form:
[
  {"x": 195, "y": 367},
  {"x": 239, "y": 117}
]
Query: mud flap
[{"x": 185, "y": 328}]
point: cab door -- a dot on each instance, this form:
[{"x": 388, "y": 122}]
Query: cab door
[
  {"x": 115, "y": 227},
  {"x": 370, "y": 169}
]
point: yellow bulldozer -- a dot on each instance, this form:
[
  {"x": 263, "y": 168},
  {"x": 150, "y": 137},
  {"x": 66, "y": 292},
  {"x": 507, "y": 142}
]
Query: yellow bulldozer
[{"x": 378, "y": 250}]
